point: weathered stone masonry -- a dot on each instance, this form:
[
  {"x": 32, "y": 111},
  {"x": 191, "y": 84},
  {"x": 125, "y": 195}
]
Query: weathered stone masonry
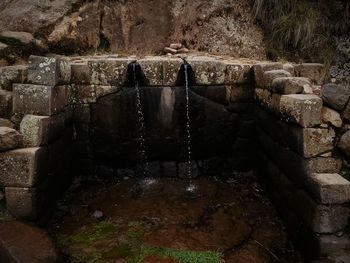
[{"x": 269, "y": 113}]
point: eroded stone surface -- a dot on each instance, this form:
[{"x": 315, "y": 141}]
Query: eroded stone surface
[
  {"x": 331, "y": 117},
  {"x": 9, "y": 139},
  {"x": 207, "y": 71},
  {"x": 5, "y": 104},
  {"x": 259, "y": 70},
  {"x": 35, "y": 130}
]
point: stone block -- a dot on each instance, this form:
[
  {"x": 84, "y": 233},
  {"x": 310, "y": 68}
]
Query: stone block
[
  {"x": 38, "y": 100},
  {"x": 12, "y": 74},
  {"x": 259, "y": 70},
  {"x": 302, "y": 109},
  {"x": 171, "y": 68},
  {"x": 335, "y": 96},
  {"x": 22, "y": 203},
  {"x": 329, "y": 188},
  {"x": 313, "y": 71},
  {"x": 23, "y": 167},
  {"x": 35, "y": 130},
  {"x": 208, "y": 71},
  {"x": 48, "y": 71},
  {"x": 270, "y": 75},
  {"x": 109, "y": 71},
  {"x": 331, "y": 117},
  {"x": 294, "y": 166},
  {"x": 9, "y": 139},
  {"x": 5, "y": 104},
  {"x": 240, "y": 93},
  {"x": 291, "y": 85},
  {"x": 238, "y": 74},
  {"x": 320, "y": 218},
  {"x": 307, "y": 142},
  {"x": 81, "y": 73},
  {"x": 153, "y": 70}
]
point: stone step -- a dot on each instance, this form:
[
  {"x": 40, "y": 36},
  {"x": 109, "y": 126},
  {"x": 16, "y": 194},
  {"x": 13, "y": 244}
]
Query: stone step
[{"x": 271, "y": 75}]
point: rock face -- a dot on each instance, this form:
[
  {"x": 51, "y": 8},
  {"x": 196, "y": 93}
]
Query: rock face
[{"x": 138, "y": 26}]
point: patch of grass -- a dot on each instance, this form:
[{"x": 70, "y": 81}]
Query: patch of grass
[
  {"x": 183, "y": 256},
  {"x": 102, "y": 230}
]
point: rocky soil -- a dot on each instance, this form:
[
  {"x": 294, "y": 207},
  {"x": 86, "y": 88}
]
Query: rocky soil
[{"x": 128, "y": 26}]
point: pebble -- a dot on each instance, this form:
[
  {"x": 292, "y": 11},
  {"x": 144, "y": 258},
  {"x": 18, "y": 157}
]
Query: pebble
[{"x": 97, "y": 214}]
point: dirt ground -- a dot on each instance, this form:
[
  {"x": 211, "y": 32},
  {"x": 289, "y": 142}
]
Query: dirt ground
[{"x": 160, "y": 221}]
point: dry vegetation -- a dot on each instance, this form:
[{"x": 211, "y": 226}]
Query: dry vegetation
[{"x": 303, "y": 29}]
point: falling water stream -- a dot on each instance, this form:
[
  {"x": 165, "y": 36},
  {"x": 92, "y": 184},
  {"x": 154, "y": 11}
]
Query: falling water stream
[
  {"x": 191, "y": 187},
  {"x": 141, "y": 120}
]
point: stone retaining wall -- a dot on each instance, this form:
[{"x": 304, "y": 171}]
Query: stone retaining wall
[{"x": 275, "y": 115}]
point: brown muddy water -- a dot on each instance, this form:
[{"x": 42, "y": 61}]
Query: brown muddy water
[{"x": 134, "y": 221}]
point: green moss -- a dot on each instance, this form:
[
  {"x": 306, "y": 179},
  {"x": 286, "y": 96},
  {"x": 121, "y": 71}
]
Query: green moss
[{"x": 102, "y": 230}]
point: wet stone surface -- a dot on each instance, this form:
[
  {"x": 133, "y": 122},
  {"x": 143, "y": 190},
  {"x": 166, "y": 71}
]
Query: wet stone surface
[{"x": 158, "y": 221}]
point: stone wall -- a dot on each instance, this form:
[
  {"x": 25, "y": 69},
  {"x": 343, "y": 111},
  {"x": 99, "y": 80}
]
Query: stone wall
[
  {"x": 300, "y": 164},
  {"x": 62, "y": 118}
]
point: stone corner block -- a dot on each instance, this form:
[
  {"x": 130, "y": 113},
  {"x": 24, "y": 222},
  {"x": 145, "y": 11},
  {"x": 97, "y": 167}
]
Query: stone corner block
[
  {"x": 329, "y": 188},
  {"x": 23, "y": 167},
  {"x": 35, "y": 130},
  {"x": 48, "y": 71}
]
